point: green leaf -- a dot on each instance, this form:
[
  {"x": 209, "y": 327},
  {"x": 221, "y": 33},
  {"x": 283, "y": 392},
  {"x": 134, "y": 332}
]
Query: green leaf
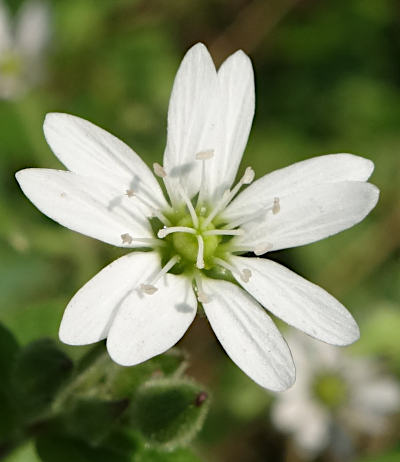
[
  {"x": 169, "y": 413},
  {"x": 9, "y": 420},
  {"x": 55, "y": 448},
  {"x": 93, "y": 418},
  {"x": 25, "y": 453},
  {"x": 8, "y": 351},
  {"x": 41, "y": 369}
]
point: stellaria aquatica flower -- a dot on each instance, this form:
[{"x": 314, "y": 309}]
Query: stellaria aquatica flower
[
  {"x": 144, "y": 302},
  {"x": 334, "y": 390},
  {"x": 22, "y": 45}
]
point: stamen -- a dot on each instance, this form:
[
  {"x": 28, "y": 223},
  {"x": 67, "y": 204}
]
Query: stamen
[
  {"x": 223, "y": 232},
  {"x": 149, "y": 288},
  {"x": 159, "y": 170},
  {"x": 200, "y": 252},
  {"x": 205, "y": 155},
  {"x": 247, "y": 178},
  {"x": 189, "y": 205},
  {"x": 128, "y": 239},
  {"x": 260, "y": 250},
  {"x": 129, "y": 193},
  {"x": 244, "y": 275},
  {"x": 175, "y": 229},
  {"x": 202, "y": 297},
  {"x": 164, "y": 220},
  {"x": 276, "y": 206}
]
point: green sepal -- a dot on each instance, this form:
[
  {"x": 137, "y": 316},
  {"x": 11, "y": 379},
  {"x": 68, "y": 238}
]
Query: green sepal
[
  {"x": 93, "y": 418},
  {"x": 112, "y": 381},
  {"x": 168, "y": 412},
  {"x": 41, "y": 368}
]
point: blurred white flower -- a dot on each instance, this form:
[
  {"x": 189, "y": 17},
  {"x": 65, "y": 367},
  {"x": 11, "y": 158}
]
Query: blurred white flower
[
  {"x": 333, "y": 387},
  {"x": 145, "y": 301},
  {"x": 23, "y": 40}
]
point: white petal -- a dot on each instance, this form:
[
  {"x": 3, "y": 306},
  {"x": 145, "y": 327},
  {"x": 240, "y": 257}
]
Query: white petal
[
  {"x": 331, "y": 168},
  {"x": 84, "y": 205},
  {"x": 304, "y": 419},
  {"x": 33, "y": 27},
  {"x": 298, "y": 302},
  {"x": 189, "y": 111},
  {"x": 5, "y": 32},
  {"x": 248, "y": 335},
  {"x": 237, "y": 101},
  {"x": 88, "y": 316},
  {"x": 310, "y": 215},
  {"x": 90, "y": 151},
  {"x": 147, "y": 325}
]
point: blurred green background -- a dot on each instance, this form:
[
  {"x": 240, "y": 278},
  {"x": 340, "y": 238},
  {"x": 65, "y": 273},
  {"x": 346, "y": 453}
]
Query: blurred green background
[{"x": 327, "y": 80}]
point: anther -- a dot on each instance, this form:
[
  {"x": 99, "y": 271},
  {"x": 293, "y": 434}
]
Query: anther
[
  {"x": 148, "y": 289},
  {"x": 260, "y": 250},
  {"x": 276, "y": 206},
  {"x": 159, "y": 170},
  {"x": 205, "y": 155},
  {"x": 126, "y": 238},
  {"x": 174, "y": 229},
  {"x": 248, "y": 176},
  {"x": 202, "y": 297},
  {"x": 245, "y": 275},
  {"x": 129, "y": 193}
]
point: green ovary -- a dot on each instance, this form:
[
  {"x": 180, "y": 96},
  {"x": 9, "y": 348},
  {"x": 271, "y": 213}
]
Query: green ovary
[
  {"x": 186, "y": 245},
  {"x": 330, "y": 389}
]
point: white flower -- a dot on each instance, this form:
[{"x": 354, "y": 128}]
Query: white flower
[
  {"x": 22, "y": 43},
  {"x": 145, "y": 301},
  {"x": 333, "y": 387}
]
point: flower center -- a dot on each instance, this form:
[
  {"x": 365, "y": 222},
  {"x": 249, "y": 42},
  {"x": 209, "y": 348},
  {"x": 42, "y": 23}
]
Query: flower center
[
  {"x": 10, "y": 64},
  {"x": 330, "y": 389},
  {"x": 187, "y": 244}
]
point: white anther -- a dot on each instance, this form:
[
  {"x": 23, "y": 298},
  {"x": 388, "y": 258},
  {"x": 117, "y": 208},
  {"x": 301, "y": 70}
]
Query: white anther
[
  {"x": 129, "y": 193},
  {"x": 159, "y": 170},
  {"x": 200, "y": 252},
  {"x": 205, "y": 155},
  {"x": 126, "y": 238},
  {"x": 148, "y": 289},
  {"x": 245, "y": 275},
  {"x": 276, "y": 206},
  {"x": 260, "y": 250},
  {"x": 175, "y": 229},
  {"x": 202, "y": 297},
  {"x": 248, "y": 176}
]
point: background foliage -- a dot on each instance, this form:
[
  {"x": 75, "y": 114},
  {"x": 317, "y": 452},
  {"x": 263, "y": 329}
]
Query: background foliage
[{"x": 327, "y": 79}]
